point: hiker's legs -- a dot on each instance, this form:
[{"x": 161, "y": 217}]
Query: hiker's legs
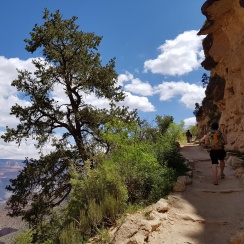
[
  {"x": 215, "y": 172},
  {"x": 214, "y": 159},
  {"x": 222, "y": 154},
  {"x": 222, "y": 166}
]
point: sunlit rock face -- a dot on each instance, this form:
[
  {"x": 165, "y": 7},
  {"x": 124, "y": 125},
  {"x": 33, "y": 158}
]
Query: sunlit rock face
[{"x": 224, "y": 56}]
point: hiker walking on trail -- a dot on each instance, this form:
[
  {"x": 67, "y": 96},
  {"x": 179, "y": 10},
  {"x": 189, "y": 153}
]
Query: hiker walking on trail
[
  {"x": 188, "y": 136},
  {"x": 216, "y": 140}
]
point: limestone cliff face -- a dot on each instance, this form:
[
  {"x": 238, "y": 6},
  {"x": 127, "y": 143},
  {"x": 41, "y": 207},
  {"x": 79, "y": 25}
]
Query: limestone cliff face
[{"x": 224, "y": 57}]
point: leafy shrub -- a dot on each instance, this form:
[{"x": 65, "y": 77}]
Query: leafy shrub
[
  {"x": 97, "y": 199},
  {"x": 147, "y": 158},
  {"x": 70, "y": 235},
  {"x": 24, "y": 237},
  {"x": 144, "y": 177},
  {"x": 167, "y": 152}
]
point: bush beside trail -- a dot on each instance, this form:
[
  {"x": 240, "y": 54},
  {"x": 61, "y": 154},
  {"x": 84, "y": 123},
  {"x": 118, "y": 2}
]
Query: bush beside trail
[{"x": 141, "y": 168}]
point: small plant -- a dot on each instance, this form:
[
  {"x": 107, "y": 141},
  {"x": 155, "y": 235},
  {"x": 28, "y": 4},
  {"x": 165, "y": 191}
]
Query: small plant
[
  {"x": 70, "y": 235},
  {"x": 24, "y": 237},
  {"x": 147, "y": 214},
  {"x": 132, "y": 208},
  {"x": 237, "y": 153}
]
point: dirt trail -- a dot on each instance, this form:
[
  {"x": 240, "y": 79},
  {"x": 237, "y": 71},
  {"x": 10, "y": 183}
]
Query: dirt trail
[{"x": 204, "y": 213}]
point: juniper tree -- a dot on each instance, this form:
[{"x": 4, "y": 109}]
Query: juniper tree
[{"x": 71, "y": 63}]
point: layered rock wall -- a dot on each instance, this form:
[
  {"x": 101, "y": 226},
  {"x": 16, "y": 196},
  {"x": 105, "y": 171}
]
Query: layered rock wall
[{"x": 224, "y": 56}]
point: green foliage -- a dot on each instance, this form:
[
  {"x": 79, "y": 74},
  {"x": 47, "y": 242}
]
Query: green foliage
[
  {"x": 49, "y": 175},
  {"x": 97, "y": 199},
  {"x": 104, "y": 237},
  {"x": 132, "y": 208},
  {"x": 142, "y": 173},
  {"x": 167, "y": 151},
  {"x": 70, "y": 235},
  {"x": 163, "y": 123},
  {"x": 135, "y": 153},
  {"x": 25, "y": 237},
  {"x": 237, "y": 153}
]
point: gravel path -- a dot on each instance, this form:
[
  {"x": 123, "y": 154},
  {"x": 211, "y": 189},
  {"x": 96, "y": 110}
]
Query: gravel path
[{"x": 206, "y": 213}]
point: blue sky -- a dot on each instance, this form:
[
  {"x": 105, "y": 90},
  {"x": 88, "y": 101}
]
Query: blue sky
[{"x": 155, "y": 43}]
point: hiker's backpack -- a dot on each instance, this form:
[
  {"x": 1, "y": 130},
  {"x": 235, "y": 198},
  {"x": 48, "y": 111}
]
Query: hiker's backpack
[{"x": 216, "y": 140}]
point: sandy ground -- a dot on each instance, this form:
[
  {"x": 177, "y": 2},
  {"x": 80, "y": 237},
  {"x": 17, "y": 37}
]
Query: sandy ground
[{"x": 204, "y": 213}]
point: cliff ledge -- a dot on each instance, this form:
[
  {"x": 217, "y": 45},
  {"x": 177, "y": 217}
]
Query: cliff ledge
[{"x": 224, "y": 57}]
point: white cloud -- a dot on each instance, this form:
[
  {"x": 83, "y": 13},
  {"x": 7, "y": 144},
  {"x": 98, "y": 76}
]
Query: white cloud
[
  {"x": 8, "y": 93},
  {"x": 138, "y": 87},
  {"x": 8, "y": 72},
  {"x": 122, "y": 78},
  {"x": 179, "y": 56},
  {"x": 190, "y": 121},
  {"x": 8, "y": 98},
  {"x": 12, "y": 150},
  {"x": 6, "y": 103},
  {"x": 189, "y": 93},
  {"x": 139, "y": 103}
]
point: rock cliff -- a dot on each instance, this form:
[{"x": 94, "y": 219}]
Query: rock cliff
[{"x": 224, "y": 58}]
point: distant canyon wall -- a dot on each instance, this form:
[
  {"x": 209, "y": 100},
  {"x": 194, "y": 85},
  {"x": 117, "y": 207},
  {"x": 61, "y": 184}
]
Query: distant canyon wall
[{"x": 224, "y": 57}]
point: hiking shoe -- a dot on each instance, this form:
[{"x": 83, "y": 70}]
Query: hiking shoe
[{"x": 215, "y": 182}]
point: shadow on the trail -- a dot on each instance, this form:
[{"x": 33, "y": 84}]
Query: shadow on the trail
[{"x": 218, "y": 210}]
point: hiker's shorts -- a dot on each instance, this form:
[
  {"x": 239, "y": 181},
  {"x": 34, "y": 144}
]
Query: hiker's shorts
[{"x": 216, "y": 155}]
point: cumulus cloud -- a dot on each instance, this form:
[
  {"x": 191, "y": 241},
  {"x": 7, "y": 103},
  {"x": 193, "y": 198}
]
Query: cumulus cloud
[
  {"x": 190, "y": 121},
  {"x": 137, "y": 102},
  {"x": 8, "y": 98},
  {"x": 136, "y": 93},
  {"x": 8, "y": 93},
  {"x": 139, "y": 87},
  {"x": 189, "y": 93},
  {"x": 122, "y": 78},
  {"x": 11, "y": 150},
  {"x": 26, "y": 149},
  {"x": 6, "y": 102},
  {"x": 179, "y": 56}
]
